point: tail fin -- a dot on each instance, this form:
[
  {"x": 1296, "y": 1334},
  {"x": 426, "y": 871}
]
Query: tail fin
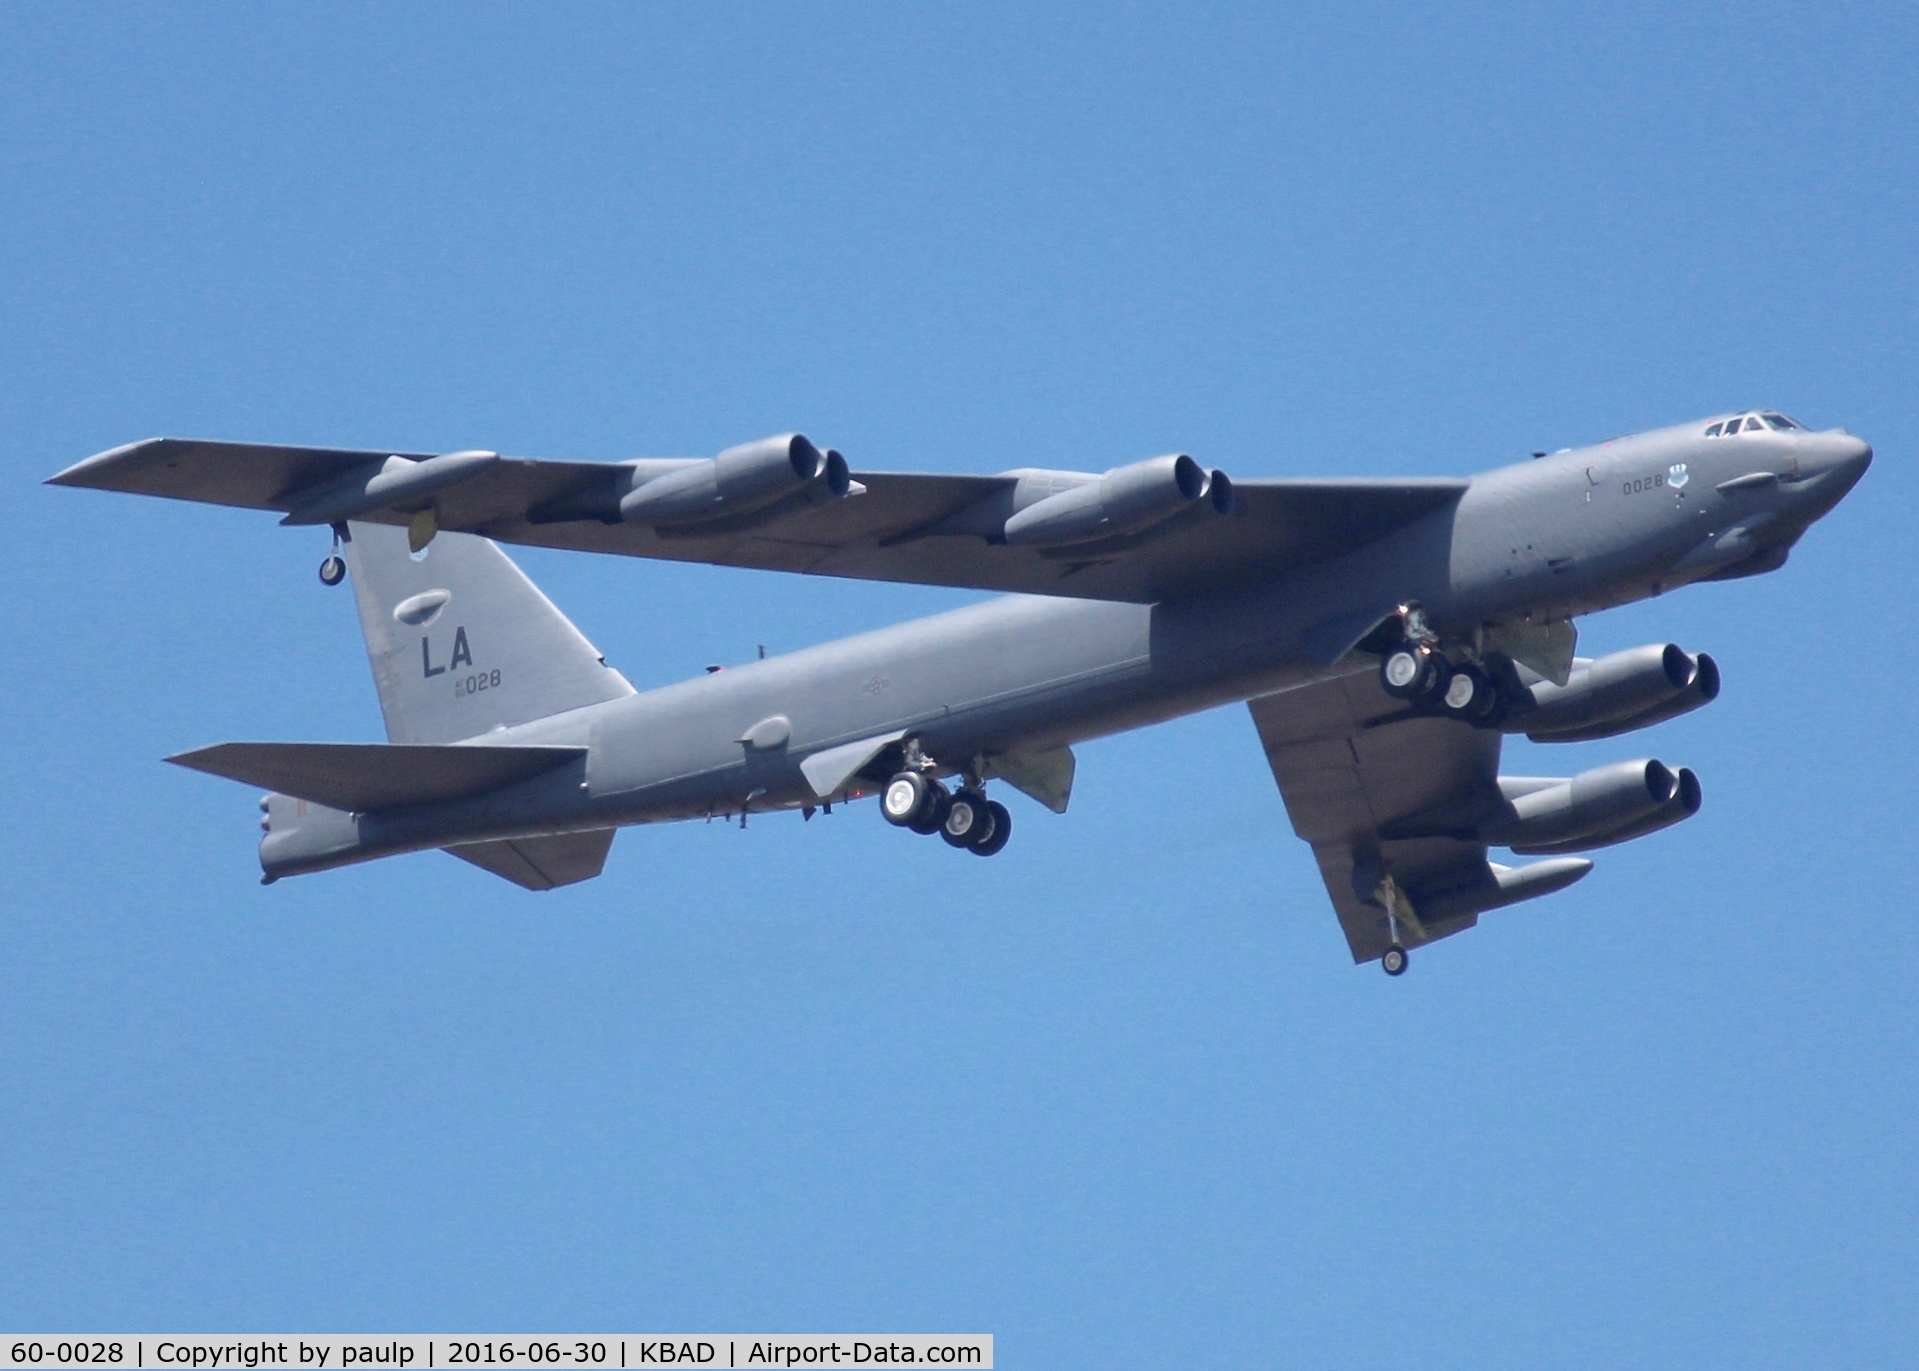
[{"x": 462, "y": 642}]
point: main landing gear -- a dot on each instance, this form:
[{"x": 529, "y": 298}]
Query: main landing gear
[
  {"x": 1421, "y": 674},
  {"x": 1393, "y": 960},
  {"x": 1418, "y": 672},
  {"x": 965, "y": 818}
]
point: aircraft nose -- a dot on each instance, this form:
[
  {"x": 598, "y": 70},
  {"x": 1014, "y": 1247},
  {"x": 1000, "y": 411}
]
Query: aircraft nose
[
  {"x": 1833, "y": 467},
  {"x": 1851, "y": 456}
]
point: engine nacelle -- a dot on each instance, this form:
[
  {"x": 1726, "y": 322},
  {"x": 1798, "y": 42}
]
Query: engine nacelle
[
  {"x": 1125, "y": 500},
  {"x": 738, "y": 481},
  {"x": 1683, "y": 803},
  {"x": 1618, "y": 693},
  {"x": 398, "y": 481},
  {"x": 1596, "y": 808}
]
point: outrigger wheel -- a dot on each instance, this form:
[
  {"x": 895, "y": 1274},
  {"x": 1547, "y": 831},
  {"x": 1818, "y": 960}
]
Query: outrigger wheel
[{"x": 333, "y": 569}]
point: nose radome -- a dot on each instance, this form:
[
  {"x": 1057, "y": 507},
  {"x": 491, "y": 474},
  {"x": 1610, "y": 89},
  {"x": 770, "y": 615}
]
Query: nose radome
[
  {"x": 1851, "y": 455},
  {"x": 1842, "y": 463}
]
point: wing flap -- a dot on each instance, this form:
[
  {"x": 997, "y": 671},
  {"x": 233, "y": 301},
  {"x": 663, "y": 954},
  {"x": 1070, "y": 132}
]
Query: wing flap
[{"x": 363, "y": 777}]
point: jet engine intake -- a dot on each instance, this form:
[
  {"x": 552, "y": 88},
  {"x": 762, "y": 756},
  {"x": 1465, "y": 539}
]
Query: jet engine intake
[
  {"x": 1617, "y": 693},
  {"x": 1125, "y": 500},
  {"x": 738, "y": 481},
  {"x": 1596, "y": 808}
]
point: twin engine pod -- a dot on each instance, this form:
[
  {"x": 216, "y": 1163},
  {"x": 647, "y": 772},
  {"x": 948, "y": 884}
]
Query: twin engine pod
[
  {"x": 1617, "y": 693},
  {"x": 1597, "y": 808},
  {"x": 754, "y": 482},
  {"x": 1125, "y": 500},
  {"x": 740, "y": 480}
]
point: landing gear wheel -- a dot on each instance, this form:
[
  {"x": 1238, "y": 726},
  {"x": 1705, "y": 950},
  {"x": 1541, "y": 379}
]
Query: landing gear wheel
[
  {"x": 1394, "y": 961},
  {"x": 933, "y": 816},
  {"x": 966, "y": 819},
  {"x": 1401, "y": 674},
  {"x": 1470, "y": 695},
  {"x": 1414, "y": 673},
  {"x": 333, "y": 570},
  {"x": 997, "y": 836},
  {"x": 904, "y": 798}
]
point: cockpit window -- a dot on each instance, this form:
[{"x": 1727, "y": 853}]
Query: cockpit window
[{"x": 1752, "y": 423}]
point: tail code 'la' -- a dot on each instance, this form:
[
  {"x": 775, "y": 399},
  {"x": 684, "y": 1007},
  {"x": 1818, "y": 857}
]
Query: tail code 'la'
[{"x": 462, "y": 642}]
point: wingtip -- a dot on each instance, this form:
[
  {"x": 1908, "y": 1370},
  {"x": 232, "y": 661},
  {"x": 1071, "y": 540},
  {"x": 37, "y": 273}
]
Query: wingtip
[
  {"x": 80, "y": 472},
  {"x": 197, "y": 758}
]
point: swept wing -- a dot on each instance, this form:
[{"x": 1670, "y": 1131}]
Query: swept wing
[
  {"x": 893, "y": 527},
  {"x": 1388, "y": 799}
]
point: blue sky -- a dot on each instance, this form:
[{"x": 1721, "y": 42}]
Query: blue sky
[{"x": 1117, "y": 1096}]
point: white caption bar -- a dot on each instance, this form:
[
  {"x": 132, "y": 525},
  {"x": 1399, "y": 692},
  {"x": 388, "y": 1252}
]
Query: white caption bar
[{"x": 489, "y": 1351}]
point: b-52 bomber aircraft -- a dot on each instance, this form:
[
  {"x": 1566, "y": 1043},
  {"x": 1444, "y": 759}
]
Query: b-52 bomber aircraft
[{"x": 1385, "y": 635}]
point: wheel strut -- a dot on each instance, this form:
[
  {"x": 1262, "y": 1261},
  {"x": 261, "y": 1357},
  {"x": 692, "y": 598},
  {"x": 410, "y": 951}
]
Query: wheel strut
[
  {"x": 333, "y": 569},
  {"x": 1393, "y": 959}
]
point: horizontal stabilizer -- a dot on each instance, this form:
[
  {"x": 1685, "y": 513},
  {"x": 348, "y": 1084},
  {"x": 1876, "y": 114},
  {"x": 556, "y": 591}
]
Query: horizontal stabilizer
[
  {"x": 541, "y": 863},
  {"x": 361, "y": 777}
]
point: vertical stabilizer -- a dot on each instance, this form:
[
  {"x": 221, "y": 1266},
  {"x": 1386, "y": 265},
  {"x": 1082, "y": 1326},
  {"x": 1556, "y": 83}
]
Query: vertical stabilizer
[{"x": 462, "y": 642}]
